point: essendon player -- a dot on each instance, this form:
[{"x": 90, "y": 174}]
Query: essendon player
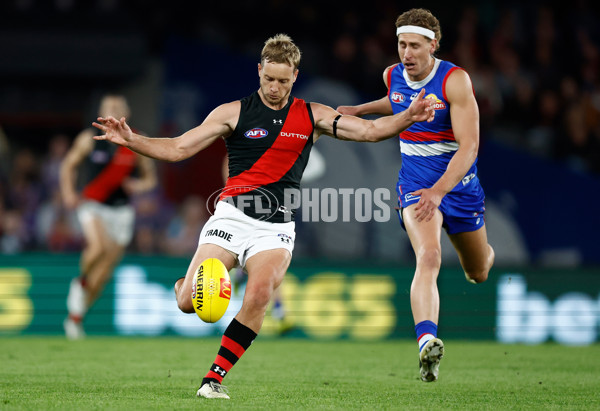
[
  {"x": 103, "y": 208},
  {"x": 268, "y": 135}
]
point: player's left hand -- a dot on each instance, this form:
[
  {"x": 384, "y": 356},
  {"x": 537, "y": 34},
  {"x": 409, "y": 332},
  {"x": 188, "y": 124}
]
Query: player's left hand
[
  {"x": 115, "y": 131},
  {"x": 429, "y": 202},
  {"x": 421, "y": 109}
]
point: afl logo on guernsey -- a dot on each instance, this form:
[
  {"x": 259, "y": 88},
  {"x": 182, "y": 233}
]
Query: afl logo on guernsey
[
  {"x": 397, "y": 97},
  {"x": 256, "y": 133}
]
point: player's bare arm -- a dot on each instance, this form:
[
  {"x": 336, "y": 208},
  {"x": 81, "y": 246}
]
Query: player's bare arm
[
  {"x": 356, "y": 129},
  {"x": 465, "y": 124},
  {"x": 82, "y": 146},
  {"x": 381, "y": 107},
  {"x": 219, "y": 123}
]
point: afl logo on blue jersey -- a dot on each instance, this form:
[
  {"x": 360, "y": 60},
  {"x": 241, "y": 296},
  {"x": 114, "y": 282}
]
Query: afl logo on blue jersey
[
  {"x": 256, "y": 133},
  {"x": 397, "y": 97}
]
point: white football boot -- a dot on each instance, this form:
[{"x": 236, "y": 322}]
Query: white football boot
[
  {"x": 77, "y": 307},
  {"x": 213, "y": 390},
  {"x": 429, "y": 359},
  {"x": 73, "y": 329}
]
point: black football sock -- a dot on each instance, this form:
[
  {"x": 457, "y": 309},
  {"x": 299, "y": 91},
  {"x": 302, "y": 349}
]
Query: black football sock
[{"x": 236, "y": 340}]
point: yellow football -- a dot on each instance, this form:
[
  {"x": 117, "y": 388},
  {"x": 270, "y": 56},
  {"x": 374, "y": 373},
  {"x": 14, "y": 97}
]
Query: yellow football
[{"x": 211, "y": 290}]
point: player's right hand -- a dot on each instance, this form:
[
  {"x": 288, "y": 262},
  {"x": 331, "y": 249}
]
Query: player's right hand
[{"x": 115, "y": 131}]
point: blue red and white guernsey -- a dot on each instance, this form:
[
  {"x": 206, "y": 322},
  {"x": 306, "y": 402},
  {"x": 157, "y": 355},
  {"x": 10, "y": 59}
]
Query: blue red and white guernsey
[
  {"x": 268, "y": 152},
  {"x": 427, "y": 148},
  {"x": 103, "y": 172}
]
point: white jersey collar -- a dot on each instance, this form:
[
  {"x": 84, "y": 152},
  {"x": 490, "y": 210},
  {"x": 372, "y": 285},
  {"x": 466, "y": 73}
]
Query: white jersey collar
[{"x": 415, "y": 85}]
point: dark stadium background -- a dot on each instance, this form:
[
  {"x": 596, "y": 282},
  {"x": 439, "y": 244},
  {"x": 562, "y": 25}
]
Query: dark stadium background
[{"x": 535, "y": 66}]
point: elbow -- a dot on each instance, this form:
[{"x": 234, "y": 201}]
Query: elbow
[
  {"x": 375, "y": 138},
  {"x": 469, "y": 151},
  {"x": 372, "y": 136},
  {"x": 177, "y": 154},
  {"x": 473, "y": 152},
  {"x": 153, "y": 181}
]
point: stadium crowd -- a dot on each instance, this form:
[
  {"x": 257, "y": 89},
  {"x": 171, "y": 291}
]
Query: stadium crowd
[{"x": 535, "y": 70}]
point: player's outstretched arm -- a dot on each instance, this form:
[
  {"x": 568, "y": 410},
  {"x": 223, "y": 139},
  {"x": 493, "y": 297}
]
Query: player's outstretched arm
[
  {"x": 356, "y": 129},
  {"x": 219, "y": 123}
]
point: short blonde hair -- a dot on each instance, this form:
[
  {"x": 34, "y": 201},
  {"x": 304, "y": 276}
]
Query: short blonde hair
[
  {"x": 421, "y": 18},
  {"x": 281, "y": 49}
]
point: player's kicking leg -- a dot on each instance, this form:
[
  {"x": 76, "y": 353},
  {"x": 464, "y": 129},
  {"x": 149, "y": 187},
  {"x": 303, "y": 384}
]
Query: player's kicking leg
[{"x": 265, "y": 273}]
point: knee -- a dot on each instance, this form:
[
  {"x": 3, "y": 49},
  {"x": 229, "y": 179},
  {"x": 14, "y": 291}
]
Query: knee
[
  {"x": 114, "y": 252},
  {"x": 184, "y": 300},
  {"x": 258, "y": 296},
  {"x": 94, "y": 251},
  {"x": 429, "y": 258},
  {"x": 476, "y": 277},
  {"x": 185, "y": 305}
]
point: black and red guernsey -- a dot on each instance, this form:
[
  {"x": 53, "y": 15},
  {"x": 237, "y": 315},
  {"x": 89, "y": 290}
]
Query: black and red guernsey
[
  {"x": 268, "y": 152},
  {"x": 104, "y": 171}
]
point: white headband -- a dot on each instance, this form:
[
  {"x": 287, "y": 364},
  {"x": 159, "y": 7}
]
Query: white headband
[{"x": 416, "y": 30}]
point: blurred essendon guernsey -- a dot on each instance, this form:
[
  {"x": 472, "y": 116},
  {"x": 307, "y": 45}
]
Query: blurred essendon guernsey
[
  {"x": 104, "y": 171},
  {"x": 268, "y": 152}
]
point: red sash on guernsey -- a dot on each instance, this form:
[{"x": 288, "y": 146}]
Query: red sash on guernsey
[
  {"x": 279, "y": 158},
  {"x": 110, "y": 179}
]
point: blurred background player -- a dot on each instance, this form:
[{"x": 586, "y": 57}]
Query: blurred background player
[
  {"x": 106, "y": 174},
  {"x": 437, "y": 184}
]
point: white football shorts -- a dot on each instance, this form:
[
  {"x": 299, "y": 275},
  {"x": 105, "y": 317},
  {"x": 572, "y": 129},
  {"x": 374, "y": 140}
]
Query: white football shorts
[
  {"x": 245, "y": 236},
  {"x": 118, "y": 221}
]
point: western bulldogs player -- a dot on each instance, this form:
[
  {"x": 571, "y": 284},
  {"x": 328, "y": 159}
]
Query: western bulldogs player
[{"x": 437, "y": 183}]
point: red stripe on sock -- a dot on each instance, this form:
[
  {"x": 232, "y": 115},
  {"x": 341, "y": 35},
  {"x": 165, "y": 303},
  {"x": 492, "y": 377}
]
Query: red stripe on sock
[
  {"x": 214, "y": 375},
  {"x": 233, "y": 346},
  {"x": 421, "y": 336},
  {"x": 76, "y": 318},
  {"x": 223, "y": 363}
]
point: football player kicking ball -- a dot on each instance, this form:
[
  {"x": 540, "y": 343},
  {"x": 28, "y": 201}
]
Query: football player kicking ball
[
  {"x": 437, "y": 184},
  {"x": 268, "y": 136}
]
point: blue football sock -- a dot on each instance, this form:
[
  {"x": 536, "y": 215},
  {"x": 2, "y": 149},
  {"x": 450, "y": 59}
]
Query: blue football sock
[{"x": 425, "y": 330}]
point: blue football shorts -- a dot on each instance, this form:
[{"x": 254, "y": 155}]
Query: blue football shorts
[{"x": 463, "y": 210}]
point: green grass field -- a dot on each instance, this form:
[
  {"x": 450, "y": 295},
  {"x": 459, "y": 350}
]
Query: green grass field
[{"x": 164, "y": 373}]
